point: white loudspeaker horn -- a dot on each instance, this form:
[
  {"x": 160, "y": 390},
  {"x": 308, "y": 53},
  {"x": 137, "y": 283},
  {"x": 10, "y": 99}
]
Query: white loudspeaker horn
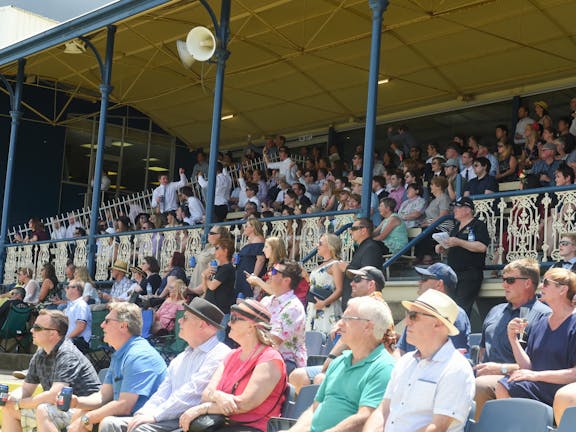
[
  {"x": 186, "y": 58},
  {"x": 201, "y": 43}
]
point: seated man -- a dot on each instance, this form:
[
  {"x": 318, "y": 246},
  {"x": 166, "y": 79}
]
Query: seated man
[
  {"x": 520, "y": 279},
  {"x": 16, "y": 298},
  {"x": 56, "y": 364},
  {"x": 188, "y": 374},
  {"x": 441, "y": 278},
  {"x": 79, "y": 316},
  {"x": 567, "y": 252},
  {"x": 136, "y": 370},
  {"x": 432, "y": 388},
  {"x": 121, "y": 287},
  {"x": 288, "y": 317},
  {"x": 355, "y": 381}
]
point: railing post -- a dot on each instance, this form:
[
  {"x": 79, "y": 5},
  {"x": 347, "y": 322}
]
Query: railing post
[
  {"x": 378, "y": 7},
  {"x": 105, "y": 90},
  {"x": 15, "y": 114}
]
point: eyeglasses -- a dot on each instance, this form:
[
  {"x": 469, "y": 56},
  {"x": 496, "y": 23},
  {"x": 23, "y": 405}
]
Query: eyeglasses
[
  {"x": 274, "y": 271},
  {"x": 565, "y": 243},
  {"x": 107, "y": 320},
  {"x": 234, "y": 318},
  {"x": 427, "y": 278},
  {"x": 512, "y": 279},
  {"x": 413, "y": 315},
  {"x": 358, "y": 279},
  {"x": 212, "y": 233},
  {"x": 352, "y": 318},
  {"x": 39, "y": 328},
  {"x": 356, "y": 227},
  {"x": 547, "y": 282}
]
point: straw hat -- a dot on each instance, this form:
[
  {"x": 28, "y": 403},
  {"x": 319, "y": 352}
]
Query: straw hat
[
  {"x": 438, "y": 304},
  {"x": 120, "y": 266}
]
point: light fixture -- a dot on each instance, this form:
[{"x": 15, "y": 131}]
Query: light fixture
[
  {"x": 227, "y": 117},
  {"x": 152, "y": 159},
  {"x": 88, "y": 146},
  {"x": 75, "y": 46},
  {"x": 157, "y": 168},
  {"x": 186, "y": 58},
  {"x": 111, "y": 173},
  {"x": 121, "y": 144},
  {"x": 384, "y": 81}
]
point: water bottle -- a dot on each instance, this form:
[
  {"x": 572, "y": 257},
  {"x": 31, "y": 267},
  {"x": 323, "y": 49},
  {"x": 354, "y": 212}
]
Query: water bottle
[
  {"x": 149, "y": 289},
  {"x": 214, "y": 266},
  {"x": 236, "y": 258},
  {"x": 192, "y": 261},
  {"x": 471, "y": 236}
]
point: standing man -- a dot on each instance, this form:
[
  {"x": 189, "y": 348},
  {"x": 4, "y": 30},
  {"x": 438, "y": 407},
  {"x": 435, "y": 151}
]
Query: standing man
[
  {"x": 523, "y": 121},
  {"x": 136, "y": 370},
  {"x": 188, "y": 374},
  {"x": 222, "y": 191},
  {"x": 567, "y": 252},
  {"x": 355, "y": 381},
  {"x": 440, "y": 277},
  {"x": 79, "y": 316},
  {"x": 288, "y": 318},
  {"x": 369, "y": 252},
  {"x": 285, "y": 166},
  {"x": 520, "y": 280},
  {"x": 56, "y": 364},
  {"x": 484, "y": 151},
  {"x": 165, "y": 196},
  {"x": 467, "y": 247},
  {"x": 431, "y": 389}
]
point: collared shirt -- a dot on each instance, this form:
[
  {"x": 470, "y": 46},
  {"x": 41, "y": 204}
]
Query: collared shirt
[
  {"x": 420, "y": 388},
  {"x": 65, "y": 364},
  {"x": 468, "y": 173},
  {"x": 223, "y": 187},
  {"x": 568, "y": 265},
  {"x": 494, "y": 330},
  {"x": 120, "y": 288},
  {"x": 288, "y": 320},
  {"x": 285, "y": 169},
  {"x": 196, "y": 209},
  {"x": 169, "y": 193},
  {"x": 396, "y": 195},
  {"x": 188, "y": 375},
  {"x": 78, "y": 310},
  {"x": 136, "y": 368}
]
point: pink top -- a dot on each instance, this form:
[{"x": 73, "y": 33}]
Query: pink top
[
  {"x": 166, "y": 314},
  {"x": 239, "y": 372}
]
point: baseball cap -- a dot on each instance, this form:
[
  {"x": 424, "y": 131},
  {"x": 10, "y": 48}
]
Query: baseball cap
[
  {"x": 442, "y": 272},
  {"x": 369, "y": 273}
]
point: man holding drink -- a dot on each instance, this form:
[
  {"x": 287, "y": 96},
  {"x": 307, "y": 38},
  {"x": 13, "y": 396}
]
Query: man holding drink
[{"x": 56, "y": 365}]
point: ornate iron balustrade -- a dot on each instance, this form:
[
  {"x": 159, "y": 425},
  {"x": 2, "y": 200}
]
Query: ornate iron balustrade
[{"x": 301, "y": 234}]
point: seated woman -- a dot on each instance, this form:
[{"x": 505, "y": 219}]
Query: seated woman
[
  {"x": 548, "y": 362},
  {"x": 392, "y": 230},
  {"x": 248, "y": 387},
  {"x": 49, "y": 292},
  {"x": 165, "y": 316},
  {"x": 507, "y": 163}
]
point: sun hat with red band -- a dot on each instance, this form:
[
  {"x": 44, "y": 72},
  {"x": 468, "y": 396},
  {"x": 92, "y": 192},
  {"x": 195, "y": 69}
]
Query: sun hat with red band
[{"x": 253, "y": 310}]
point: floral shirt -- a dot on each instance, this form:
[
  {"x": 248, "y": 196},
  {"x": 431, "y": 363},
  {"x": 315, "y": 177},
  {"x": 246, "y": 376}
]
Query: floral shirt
[{"x": 289, "y": 324}]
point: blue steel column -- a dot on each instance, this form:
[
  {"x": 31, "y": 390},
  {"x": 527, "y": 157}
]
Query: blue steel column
[
  {"x": 223, "y": 32},
  {"x": 105, "y": 90},
  {"x": 15, "y": 114},
  {"x": 378, "y": 7}
]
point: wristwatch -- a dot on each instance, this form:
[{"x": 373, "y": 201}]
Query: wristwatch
[
  {"x": 85, "y": 421},
  {"x": 504, "y": 370}
]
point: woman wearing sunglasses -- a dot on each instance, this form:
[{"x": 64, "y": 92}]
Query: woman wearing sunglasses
[
  {"x": 547, "y": 361},
  {"x": 248, "y": 387}
]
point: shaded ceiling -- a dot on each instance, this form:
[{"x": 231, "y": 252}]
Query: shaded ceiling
[{"x": 299, "y": 65}]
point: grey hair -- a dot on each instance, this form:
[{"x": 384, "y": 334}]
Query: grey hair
[{"x": 376, "y": 311}]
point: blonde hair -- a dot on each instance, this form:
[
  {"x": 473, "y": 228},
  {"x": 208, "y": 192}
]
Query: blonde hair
[
  {"x": 334, "y": 244},
  {"x": 565, "y": 277},
  {"x": 180, "y": 287},
  {"x": 277, "y": 248},
  {"x": 83, "y": 275}
]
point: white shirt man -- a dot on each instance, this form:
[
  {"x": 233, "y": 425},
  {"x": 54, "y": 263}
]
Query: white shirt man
[
  {"x": 523, "y": 121},
  {"x": 468, "y": 170},
  {"x": 72, "y": 225},
  {"x": 567, "y": 252},
  {"x": 79, "y": 316},
  {"x": 165, "y": 196},
  {"x": 285, "y": 166},
  {"x": 223, "y": 186}
]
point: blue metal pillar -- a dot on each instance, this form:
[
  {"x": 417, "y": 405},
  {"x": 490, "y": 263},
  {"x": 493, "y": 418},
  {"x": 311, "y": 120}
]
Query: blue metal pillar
[
  {"x": 105, "y": 90},
  {"x": 15, "y": 114},
  {"x": 222, "y": 54},
  {"x": 378, "y": 7}
]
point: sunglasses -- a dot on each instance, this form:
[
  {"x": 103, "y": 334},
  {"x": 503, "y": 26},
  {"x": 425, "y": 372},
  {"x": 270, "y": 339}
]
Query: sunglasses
[
  {"x": 356, "y": 228},
  {"x": 565, "y": 243},
  {"x": 358, "y": 279},
  {"x": 546, "y": 282},
  {"x": 39, "y": 328},
  {"x": 413, "y": 315},
  {"x": 234, "y": 318},
  {"x": 512, "y": 280},
  {"x": 212, "y": 233},
  {"x": 275, "y": 271}
]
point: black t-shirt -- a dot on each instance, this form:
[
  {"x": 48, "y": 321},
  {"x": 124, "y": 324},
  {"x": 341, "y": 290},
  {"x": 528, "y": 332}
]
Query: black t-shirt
[
  {"x": 479, "y": 186},
  {"x": 223, "y": 296},
  {"x": 461, "y": 259}
]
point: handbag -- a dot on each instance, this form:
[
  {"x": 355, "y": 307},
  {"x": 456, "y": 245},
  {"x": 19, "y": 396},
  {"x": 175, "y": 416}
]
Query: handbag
[
  {"x": 207, "y": 423},
  {"x": 318, "y": 293}
]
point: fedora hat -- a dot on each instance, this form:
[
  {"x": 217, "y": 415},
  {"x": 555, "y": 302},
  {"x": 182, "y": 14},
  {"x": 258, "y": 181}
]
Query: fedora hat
[
  {"x": 438, "y": 304},
  {"x": 120, "y": 266},
  {"x": 206, "y": 311}
]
